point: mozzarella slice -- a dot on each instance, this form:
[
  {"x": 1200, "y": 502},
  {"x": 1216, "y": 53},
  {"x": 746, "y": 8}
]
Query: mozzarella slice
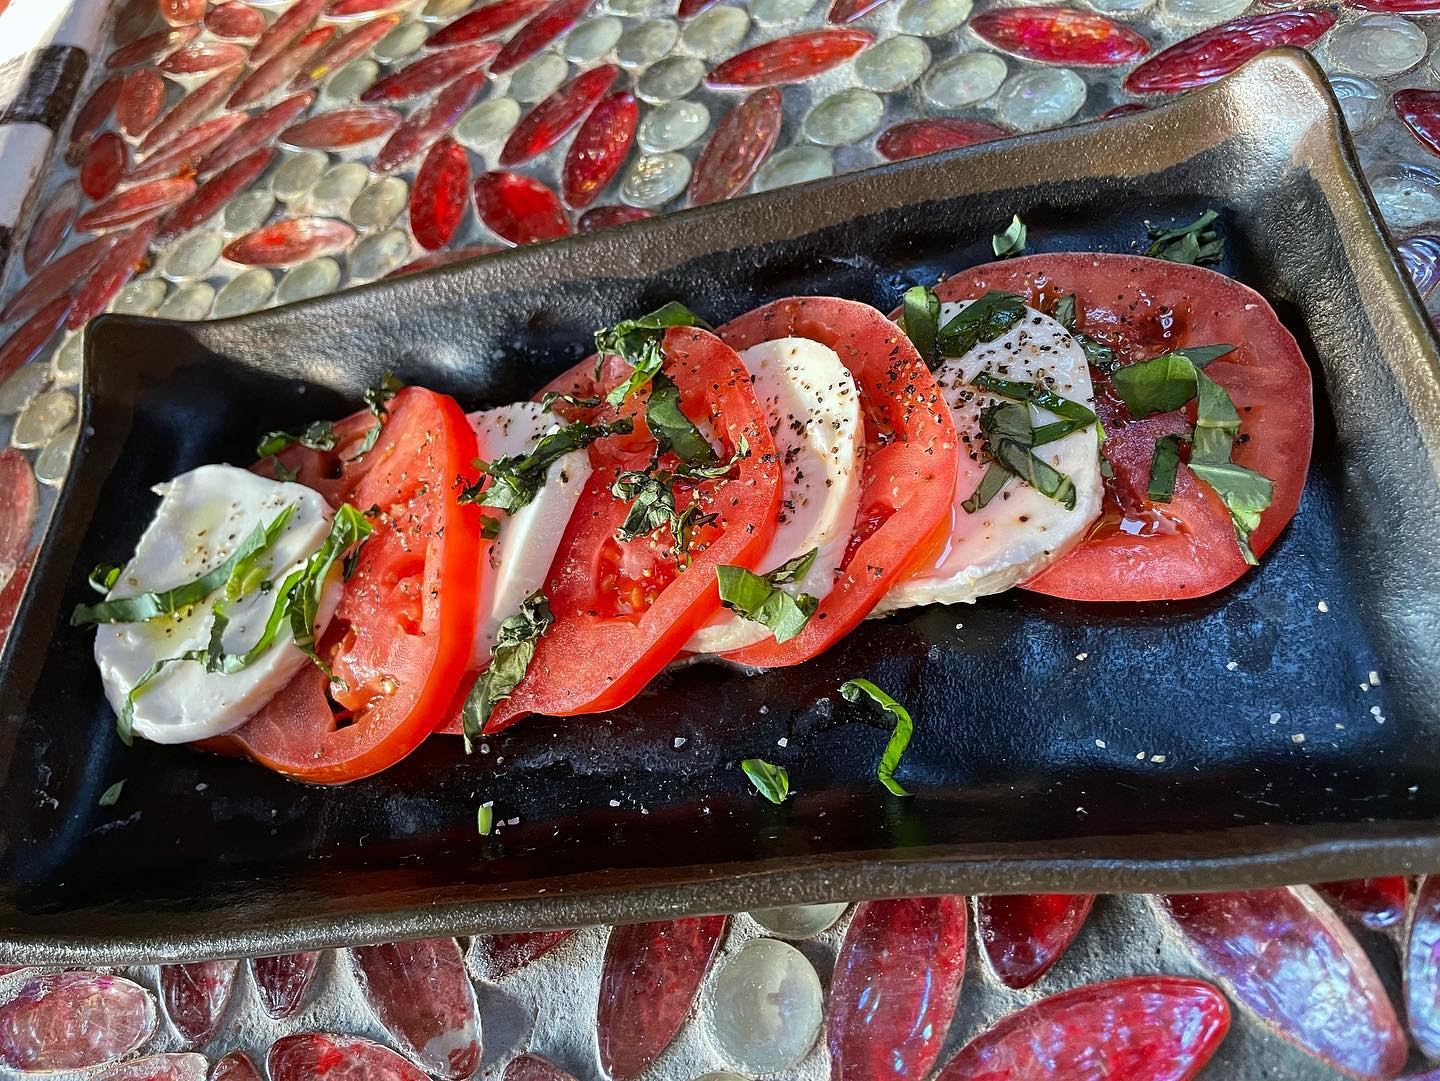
[
  {"x": 1021, "y": 530},
  {"x": 521, "y": 556},
  {"x": 203, "y": 516},
  {"x": 814, "y": 410}
]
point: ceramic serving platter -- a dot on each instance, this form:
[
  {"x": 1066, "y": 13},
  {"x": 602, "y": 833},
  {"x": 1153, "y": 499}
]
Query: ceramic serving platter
[{"x": 1286, "y": 729}]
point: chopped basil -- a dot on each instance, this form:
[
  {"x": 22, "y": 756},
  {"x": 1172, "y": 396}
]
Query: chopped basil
[
  {"x": 111, "y": 795},
  {"x": 550, "y": 397},
  {"x": 1201, "y": 355},
  {"x": 515, "y": 480},
  {"x": 489, "y": 527},
  {"x": 1064, "y": 311},
  {"x": 103, "y": 578},
  {"x": 1010, "y": 436},
  {"x": 297, "y": 601},
  {"x": 281, "y": 472},
  {"x": 670, "y": 426},
  {"x": 1166, "y": 382},
  {"x": 485, "y": 819},
  {"x": 759, "y": 598},
  {"x": 637, "y": 342},
  {"x": 1012, "y": 240},
  {"x": 319, "y": 436},
  {"x": 1245, "y": 493},
  {"x": 651, "y": 495},
  {"x": 852, "y": 690},
  {"x": 1096, "y": 353},
  {"x": 146, "y": 606},
  {"x": 982, "y": 321},
  {"x": 770, "y": 781},
  {"x": 377, "y": 398},
  {"x": 1194, "y": 243},
  {"x": 1162, "y": 469},
  {"x": 509, "y": 659},
  {"x": 921, "y": 321},
  {"x": 1033, "y": 392}
]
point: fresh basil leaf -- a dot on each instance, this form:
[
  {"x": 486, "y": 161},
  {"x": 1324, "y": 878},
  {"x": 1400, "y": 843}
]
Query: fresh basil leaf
[
  {"x": 509, "y": 660},
  {"x": 347, "y": 529},
  {"x": 1162, "y": 469},
  {"x": 515, "y": 480},
  {"x": 852, "y": 690},
  {"x": 994, "y": 480},
  {"x": 103, "y": 578},
  {"x": 759, "y": 598},
  {"x": 1059, "y": 429},
  {"x": 982, "y": 321},
  {"x": 1201, "y": 355},
  {"x": 377, "y": 399},
  {"x": 1195, "y": 243},
  {"x": 651, "y": 495},
  {"x": 111, "y": 795},
  {"x": 672, "y": 429},
  {"x": 637, "y": 342},
  {"x": 550, "y": 397},
  {"x": 489, "y": 527},
  {"x": 921, "y": 321},
  {"x": 1064, "y": 311},
  {"x": 283, "y": 473},
  {"x": 1012, "y": 240},
  {"x": 1033, "y": 392},
  {"x": 146, "y": 606},
  {"x": 770, "y": 780},
  {"x": 1097, "y": 354},
  {"x": 1158, "y": 385},
  {"x": 1039, "y": 474},
  {"x": 1245, "y": 493},
  {"x": 485, "y": 819},
  {"x": 319, "y": 436}
]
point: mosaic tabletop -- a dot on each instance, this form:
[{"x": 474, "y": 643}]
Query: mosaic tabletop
[{"x": 191, "y": 159}]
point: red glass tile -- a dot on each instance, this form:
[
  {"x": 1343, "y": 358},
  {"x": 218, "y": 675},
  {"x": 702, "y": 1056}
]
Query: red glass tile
[
  {"x": 293, "y": 241},
  {"x": 20, "y": 497},
  {"x": 741, "y": 141},
  {"x": 152, "y": 47},
  {"x": 257, "y": 132},
  {"x": 552, "y": 119},
  {"x": 140, "y": 203},
  {"x": 141, "y": 101},
  {"x": 485, "y": 21},
  {"x": 103, "y": 165},
  {"x": 56, "y": 278},
  {"x": 539, "y": 32},
  {"x": 189, "y": 111},
  {"x": 602, "y": 217},
  {"x": 432, "y": 71},
  {"x": 117, "y": 267},
  {"x": 213, "y": 195},
  {"x": 599, "y": 149},
  {"x": 182, "y": 12},
  {"x": 914, "y": 138},
  {"x": 1217, "y": 52},
  {"x": 202, "y": 57},
  {"x": 21, "y": 347},
  {"x": 286, "y": 30},
  {"x": 70, "y": 1020},
  {"x": 1378, "y": 903},
  {"x": 1052, "y": 34},
  {"x": 52, "y": 224},
  {"x": 195, "y": 996},
  {"x": 279, "y": 70},
  {"x": 310, "y": 1055},
  {"x": 341, "y": 128},
  {"x": 790, "y": 59},
  {"x": 188, "y": 150},
  {"x": 280, "y": 982},
  {"x": 1023, "y": 935},
  {"x": 429, "y": 123},
  {"x": 422, "y": 995},
  {"x": 234, "y": 20},
  {"x": 499, "y": 955},
  {"x": 519, "y": 208},
  {"x": 349, "y": 46},
  {"x": 442, "y": 188},
  {"x": 91, "y": 116}
]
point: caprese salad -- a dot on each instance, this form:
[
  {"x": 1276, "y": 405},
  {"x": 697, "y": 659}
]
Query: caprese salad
[{"x": 1094, "y": 427}]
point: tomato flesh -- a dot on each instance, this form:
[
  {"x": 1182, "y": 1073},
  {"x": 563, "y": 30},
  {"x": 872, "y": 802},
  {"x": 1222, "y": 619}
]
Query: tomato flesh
[
  {"x": 623, "y": 609},
  {"x": 1139, "y": 549},
  {"x": 909, "y": 469},
  {"x": 401, "y": 636}
]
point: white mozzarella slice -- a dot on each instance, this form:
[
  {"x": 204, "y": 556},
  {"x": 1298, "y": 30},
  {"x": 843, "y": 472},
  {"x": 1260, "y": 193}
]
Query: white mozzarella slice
[
  {"x": 1020, "y": 531},
  {"x": 521, "y": 556},
  {"x": 813, "y": 406},
  {"x": 203, "y": 517}
]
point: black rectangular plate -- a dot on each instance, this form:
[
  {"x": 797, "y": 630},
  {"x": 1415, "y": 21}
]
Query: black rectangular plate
[{"x": 1148, "y": 765}]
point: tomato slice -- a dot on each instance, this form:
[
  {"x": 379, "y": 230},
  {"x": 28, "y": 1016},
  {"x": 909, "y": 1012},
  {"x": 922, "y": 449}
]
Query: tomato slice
[
  {"x": 624, "y": 609},
  {"x": 401, "y": 636},
  {"x": 910, "y": 460},
  {"x": 1140, "y": 550}
]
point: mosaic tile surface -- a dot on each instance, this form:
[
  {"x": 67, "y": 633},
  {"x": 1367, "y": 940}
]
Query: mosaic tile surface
[{"x": 225, "y": 157}]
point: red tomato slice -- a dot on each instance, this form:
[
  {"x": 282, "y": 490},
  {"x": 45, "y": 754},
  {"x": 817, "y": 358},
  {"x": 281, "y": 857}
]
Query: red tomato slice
[
  {"x": 1140, "y": 550},
  {"x": 401, "y": 636},
  {"x": 910, "y": 460},
  {"x": 623, "y": 610}
]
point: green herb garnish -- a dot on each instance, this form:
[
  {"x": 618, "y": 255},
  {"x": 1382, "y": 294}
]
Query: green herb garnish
[
  {"x": 672, "y": 429},
  {"x": 103, "y": 578},
  {"x": 1166, "y": 382},
  {"x": 485, "y": 819},
  {"x": 651, "y": 495},
  {"x": 1096, "y": 353},
  {"x": 1010, "y": 436},
  {"x": 852, "y": 690},
  {"x": 111, "y": 795},
  {"x": 515, "y": 480},
  {"x": 921, "y": 321},
  {"x": 1012, "y": 240},
  {"x": 770, "y": 781},
  {"x": 637, "y": 342},
  {"x": 1033, "y": 392},
  {"x": 984, "y": 320},
  {"x": 1245, "y": 493},
  {"x": 1162, "y": 469},
  {"x": 1194, "y": 243},
  {"x": 550, "y": 397},
  {"x": 759, "y": 598},
  {"x": 318, "y": 436},
  {"x": 377, "y": 399},
  {"x": 509, "y": 660}
]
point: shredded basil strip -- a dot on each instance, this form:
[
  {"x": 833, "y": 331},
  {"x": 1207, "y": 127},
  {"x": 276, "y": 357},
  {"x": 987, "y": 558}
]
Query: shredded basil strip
[
  {"x": 984, "y": 320},
  {"x": 489, "y": 527},
  {"x": 146, "y": 606},
  {"x": 1162, "y": 469},
  {"x": 1010, "y": 435},
  {"x": 281, "y": 472},
  {"x": 1097, "y": 354},
  {"x": 348, "y": 528},
  {"x": 770, "y": 780},
  {"x": 1033, "y": 392},
  {"x": 672, "y": 429},
  {"x": 651, "y": 495},
  {"x": 318, "y": 436},
  {"x": 111, "y": 795},
  {"x": 1194, "y": 243},
  {"x": 759, "y": 598},
  {"x": 994, "y": 480},
  {"x": 637, "y": 342},
  {"x": 1166, "y": 382},
  {"x": 515, "y": 480},
  {"x": 485, "y": 819},
  {"x": 921, "y": 321},
  {"x": 1039, "y": 474},
  {"x": 852, "y": 690},
  {"x": 103, "y": 578},
  {"x": 509, "y": 660},
  {"x": 1245, "y": 493},
  {"x": 1012, "y": 240},
  {"x": 377, "y": 399},
  {"x": 550, "y": 397}
]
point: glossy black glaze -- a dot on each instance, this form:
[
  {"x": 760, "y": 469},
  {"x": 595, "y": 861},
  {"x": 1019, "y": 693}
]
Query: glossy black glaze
[{"x": 1058, "y": 746}]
